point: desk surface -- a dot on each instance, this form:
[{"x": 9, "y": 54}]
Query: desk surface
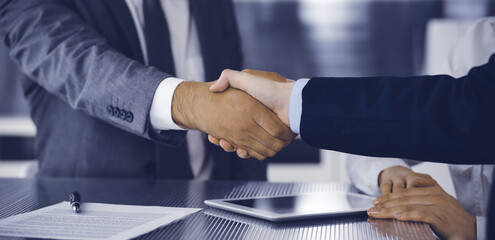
[{"x": 19, "y": 196}]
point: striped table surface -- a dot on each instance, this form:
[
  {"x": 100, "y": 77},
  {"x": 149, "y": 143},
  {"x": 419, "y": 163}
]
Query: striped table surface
[{"x": 24, "y": 195}]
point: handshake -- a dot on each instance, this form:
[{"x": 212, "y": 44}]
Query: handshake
[{"x": 246, "y": 112}]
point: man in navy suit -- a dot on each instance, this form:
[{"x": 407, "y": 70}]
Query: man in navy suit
[
  {"x": 104, "y": 79},
  {"x": 428, "y": 118}
]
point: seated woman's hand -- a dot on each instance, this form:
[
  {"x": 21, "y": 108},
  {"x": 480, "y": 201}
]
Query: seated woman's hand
[
  {"x": 397, "y": 178},
  {"x": 410, "y": 196}
]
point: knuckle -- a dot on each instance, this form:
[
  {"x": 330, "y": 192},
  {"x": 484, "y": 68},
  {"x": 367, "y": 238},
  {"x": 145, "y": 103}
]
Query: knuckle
[
  {"x": 226, "y": 71},
  {"x": 266, "y": 152},
  {"x": 405, "y": 191},
  {"x": 427, "y": 176},
  {"x": 276, "y": 131},
  {"x": 272, "y": 154},
  {"x": 410, "y": 174},
  {"x": 386, "y": 184},
  {"x": 277, "y": 146}
]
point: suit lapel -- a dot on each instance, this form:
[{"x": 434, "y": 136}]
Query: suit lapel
[{"x": 121, "y": 12}]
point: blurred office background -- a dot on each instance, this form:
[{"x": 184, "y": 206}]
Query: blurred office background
[{"x": 298, "y": 38}]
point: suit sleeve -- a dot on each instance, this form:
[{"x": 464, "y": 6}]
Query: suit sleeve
[
  {"x": 62, "y": 54},
  {"x": 427, "y": 118}
]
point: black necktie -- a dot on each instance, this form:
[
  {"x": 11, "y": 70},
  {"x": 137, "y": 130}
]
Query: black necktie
[
  {"x": 173, "y": 162},
  {"x": 157, "y": 37}
]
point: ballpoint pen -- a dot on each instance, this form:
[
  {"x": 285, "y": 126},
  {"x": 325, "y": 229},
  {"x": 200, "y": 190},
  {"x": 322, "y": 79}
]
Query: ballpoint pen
[{"x": 75, "y": 201}]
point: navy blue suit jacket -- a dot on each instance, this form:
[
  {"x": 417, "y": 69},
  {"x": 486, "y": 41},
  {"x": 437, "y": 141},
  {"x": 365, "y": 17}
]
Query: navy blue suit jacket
[
  {"x": 428, "y": 118},
  {"x": 81, "y": 60}
]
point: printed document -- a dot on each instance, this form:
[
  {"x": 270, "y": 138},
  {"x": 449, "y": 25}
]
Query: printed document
[{"x": 95, "y": 221}]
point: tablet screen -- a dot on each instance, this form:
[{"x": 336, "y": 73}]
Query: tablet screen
[{"x": 307, "y": 204}]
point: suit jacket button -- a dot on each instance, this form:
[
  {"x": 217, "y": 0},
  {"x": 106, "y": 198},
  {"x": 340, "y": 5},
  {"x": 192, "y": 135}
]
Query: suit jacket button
[
  {"x": 122, "y": 115},
  {"x": 129, "y": 117},
  {"x": 110, "y": 110},
  {"x": 116, "y": 112}
]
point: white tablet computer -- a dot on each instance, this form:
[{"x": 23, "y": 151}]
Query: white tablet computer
[{"x": 283, "y": 208}]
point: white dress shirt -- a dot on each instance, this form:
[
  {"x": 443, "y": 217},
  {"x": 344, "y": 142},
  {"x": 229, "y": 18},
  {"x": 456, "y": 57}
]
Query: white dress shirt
[
  {"x": 471, "y": 182},
  {"x": 188, "y": 62}
]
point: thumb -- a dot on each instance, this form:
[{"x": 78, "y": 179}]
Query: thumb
[
  {"x": 267, "y": 75},
  {"x": 223, "y": 82}
]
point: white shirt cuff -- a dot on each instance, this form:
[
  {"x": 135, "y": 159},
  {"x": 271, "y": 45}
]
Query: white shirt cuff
[
  {"x": 161, "y": 108},
  {"x": 295, "y": 105},
  {"x": 481, "y": 228},
  {"x": 363, "y": 171}
]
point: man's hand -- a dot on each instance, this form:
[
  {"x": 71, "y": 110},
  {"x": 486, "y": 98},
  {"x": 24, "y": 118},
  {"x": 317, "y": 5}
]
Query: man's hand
[
  {"x": 431, "y": 205},
  {"x": 273, "y": 94},
  {"x": 273, "y": 76},
  {"x": 396, "y": 178},
  {"x": 224, "y": 83},
  {"x": 231, "y": 115}
]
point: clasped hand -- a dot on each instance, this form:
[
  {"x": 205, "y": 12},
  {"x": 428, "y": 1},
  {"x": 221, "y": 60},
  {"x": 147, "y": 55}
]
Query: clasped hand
[
  {"x": 232, "y": 115},
  {"x": 269, "y": 88}
]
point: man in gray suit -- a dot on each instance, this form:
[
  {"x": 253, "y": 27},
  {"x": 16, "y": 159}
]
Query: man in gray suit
[{"x": 103, "y": 79}]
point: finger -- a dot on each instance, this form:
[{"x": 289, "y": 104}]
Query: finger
[
  {"x": 242, "y": 153},
  {"x": 226, "y": 146},
  {"x": 266, "y": 139},
  {"x": 259, "y": 88},
  {"x": 411, "y": 200},
  {"x": 386, "y": 187},
  {"x": 407, "y": 192},
  {"x": 237, "y": 80},
  {"x": 256, "y": 155},
  {"x": 245, "y": 152},
  {"x": 415, "y": 181},
  {"x": 261, "y": 148},
  {"x": 399, "y": 184},
  {"x": 419, "y": 216},
  {"x": 424, "y": 175},
  {"x": 223, "y": 82},
  {"x": 268, "y": 75},
  {"x": 391, "y": 212},
  {"x": 274, "y": 126},
  {"x": 214, "y": 140}
]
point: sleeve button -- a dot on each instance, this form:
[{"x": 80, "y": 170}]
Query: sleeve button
[
  {"x": 116, "y": 112},
  {"x": 110, "y": 110},
  {"x": 129, "y": 117},
  {"x": 122, "y": 115}
]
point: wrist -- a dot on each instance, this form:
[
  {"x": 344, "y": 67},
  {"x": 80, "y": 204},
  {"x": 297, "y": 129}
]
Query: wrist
[
  {"x": 282, "y": 107},
  {"x": 474, "y": 232},
  {"x": 186, "y": 104}
]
